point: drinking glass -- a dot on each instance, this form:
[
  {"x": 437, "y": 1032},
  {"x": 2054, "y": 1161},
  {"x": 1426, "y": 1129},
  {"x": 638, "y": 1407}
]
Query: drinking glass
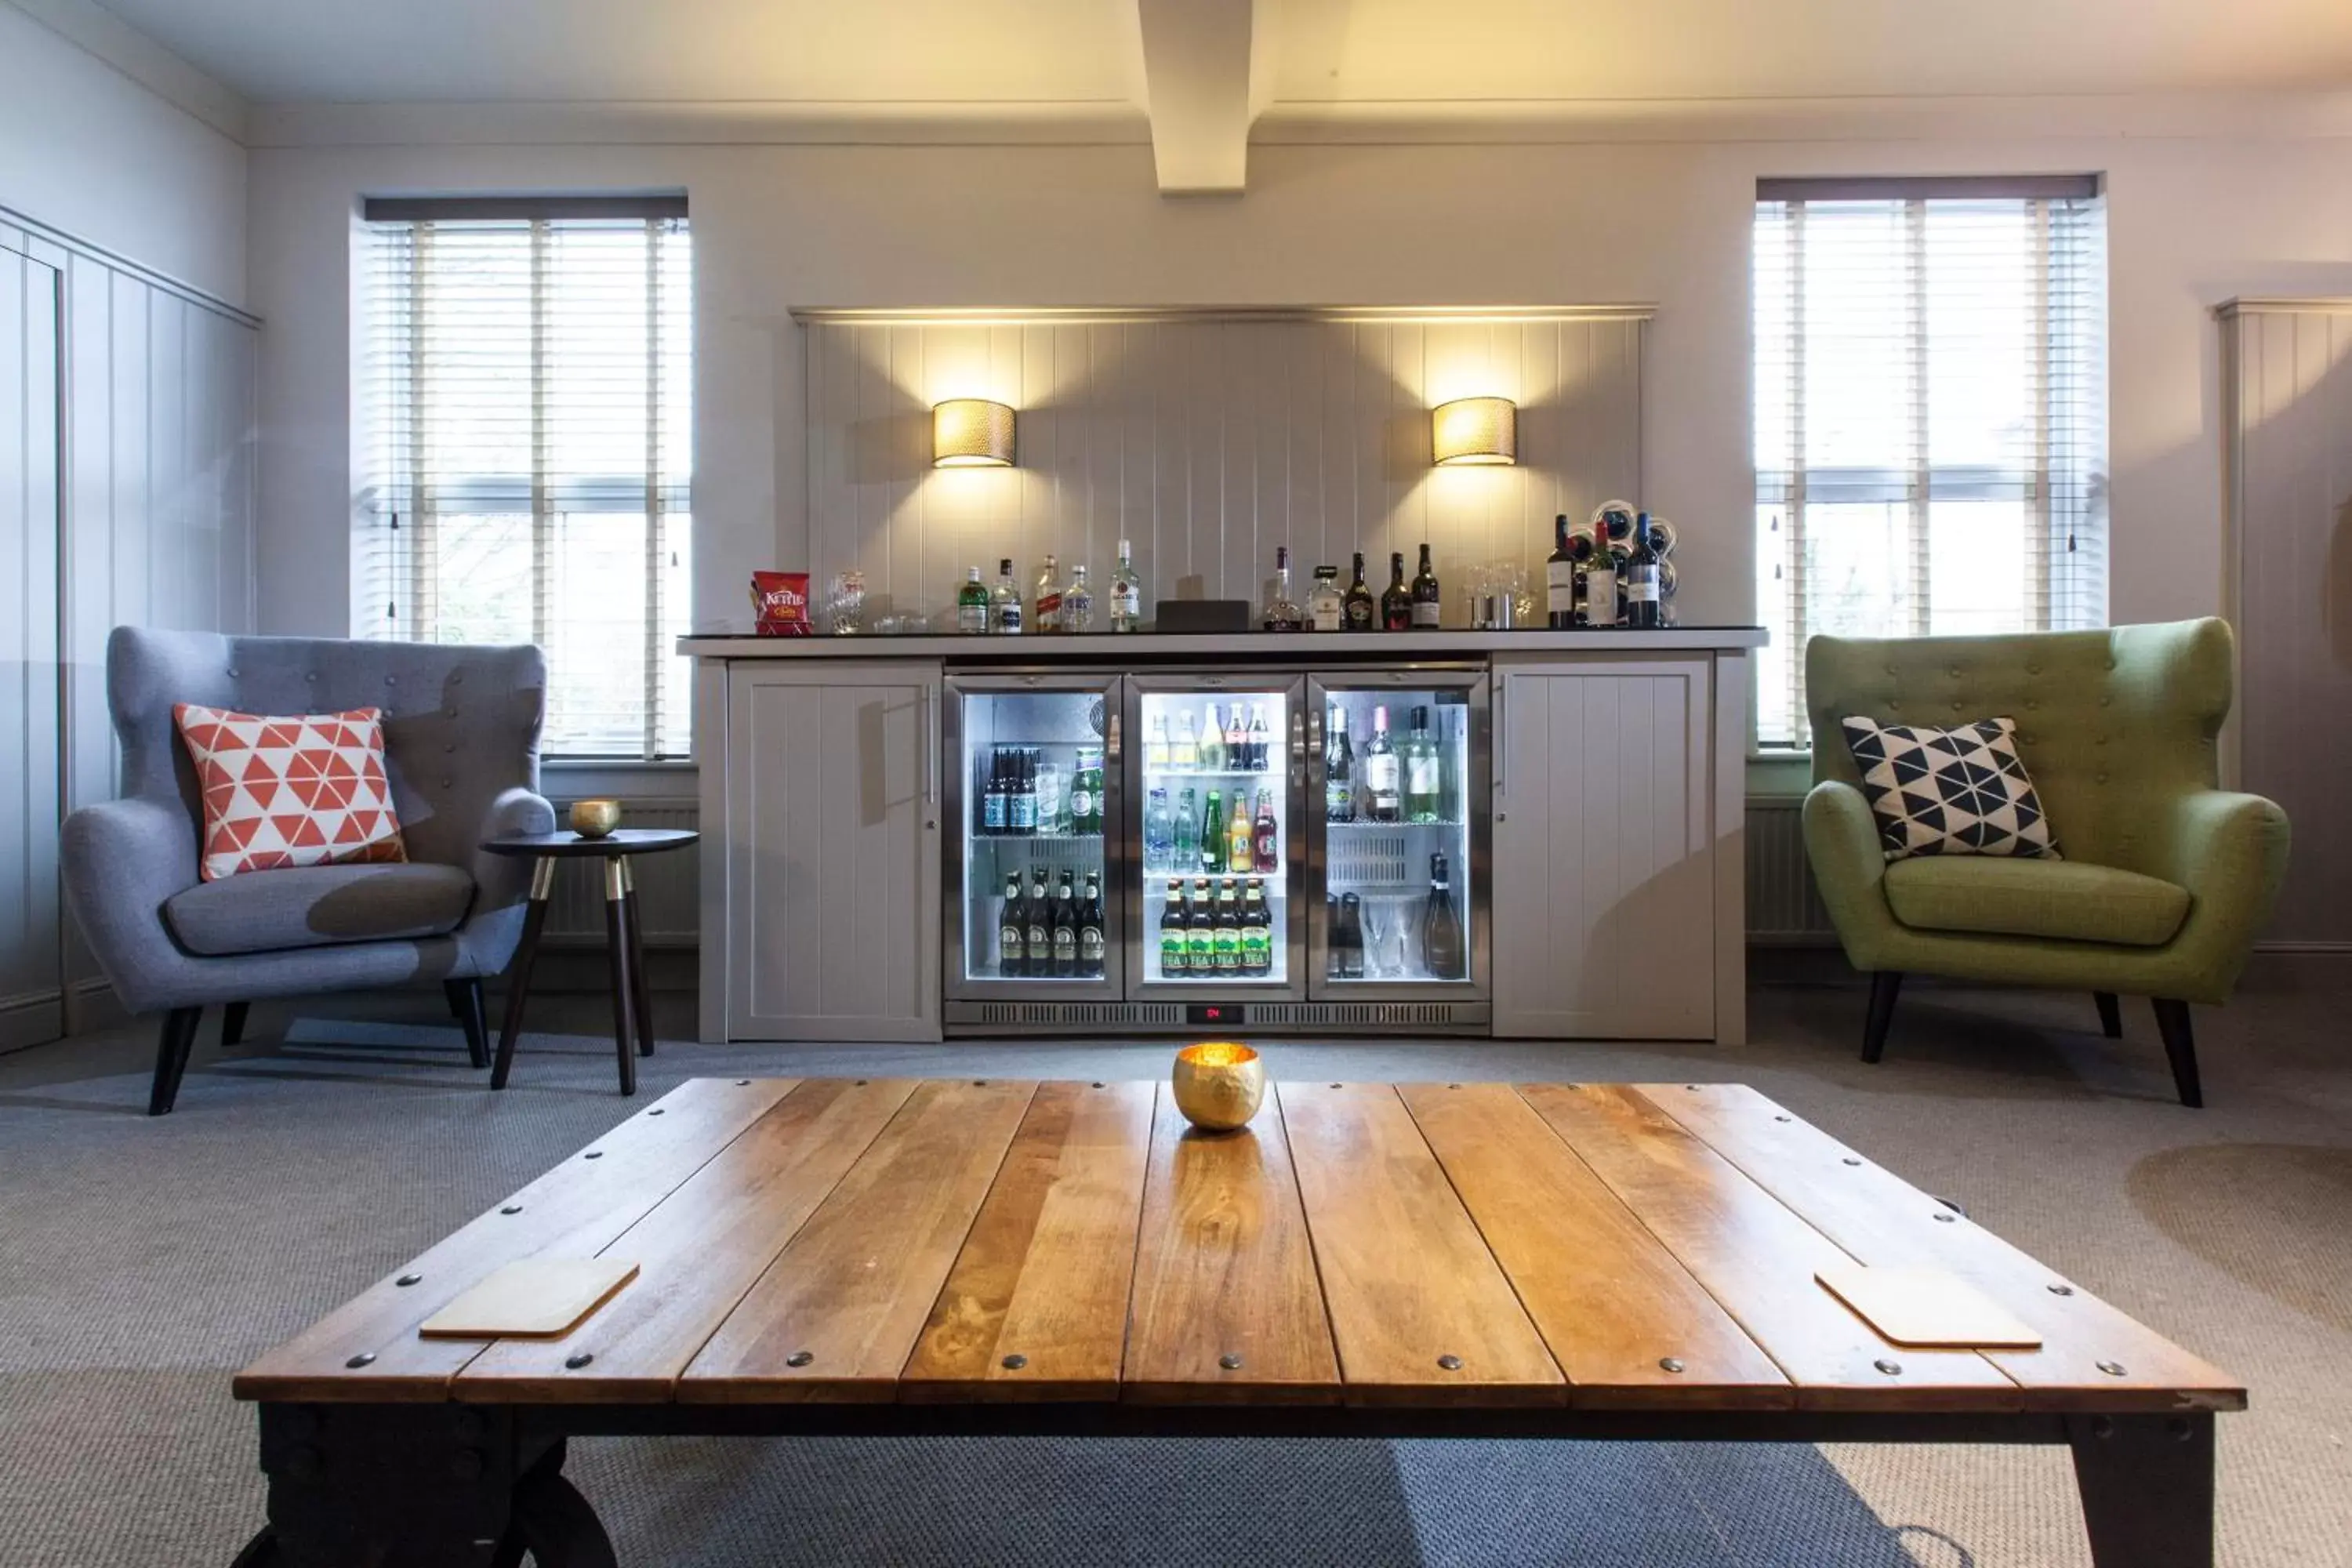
[
  {"x": 1376, "y": 922},
  {"x": 1405, "y": 958}
]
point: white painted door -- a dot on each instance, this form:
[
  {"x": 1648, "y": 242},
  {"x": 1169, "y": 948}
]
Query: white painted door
[
  {"x": 30, "y": 913},
  {"x": 833, "y": 852},
  {"x": 1604, "y": 885}
]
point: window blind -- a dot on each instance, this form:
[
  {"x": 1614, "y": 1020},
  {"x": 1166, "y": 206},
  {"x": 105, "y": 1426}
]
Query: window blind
[
  {"x": 529, "y": 386},
  {"x": 1930, "y": 401}
]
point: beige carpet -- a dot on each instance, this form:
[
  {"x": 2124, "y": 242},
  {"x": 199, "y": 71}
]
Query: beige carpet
[{"x": 141, "y": 1262}]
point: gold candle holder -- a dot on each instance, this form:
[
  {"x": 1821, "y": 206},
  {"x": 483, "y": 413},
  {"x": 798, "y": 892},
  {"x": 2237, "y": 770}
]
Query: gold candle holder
[
  {"x": 596, "y": 818},
  {"x": 1219, "y": 1085}
]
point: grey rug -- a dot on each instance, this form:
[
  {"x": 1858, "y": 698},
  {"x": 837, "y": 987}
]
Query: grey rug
[{"x": 142, "y": 1262}]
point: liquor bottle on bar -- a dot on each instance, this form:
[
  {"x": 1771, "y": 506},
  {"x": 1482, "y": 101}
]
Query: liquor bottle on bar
[
  {"x": 1338, "y": 770},
  {"x": 1039, "y": 915},
  {"x": 1126, "y": 593},
  {"x": 1428, "y": 602},
  {"x": 1200, "y": 934},
  {"x": 1441, "y": 928},
  {"x": 1213, "y": 833},
  {"x": 1241, "y": 840},
  {"x": 1046, "y": 608},
  {"x": 1281, "y": 612},
  {"x": 1090, "y": 930},
  {"x": 1422, "y": 782},
  {"x": 1236, "y": 741},
  {"x": 1173, "y": 943},
  {"x": 1011, "y": 931},
  {"x": 1644, "y": 603},
  {"x": 1601, "y": 587},
  {"x": 1225, "y": 937},
  {"x": 1358, "y": 613},
  {"x": 1257, "y": 738},
  {"x": 1065, "y": 929},
  {"x": 971, "y": 604},
  {"x": 1078, "y": 603},
  {"x": 1183, "y": 751},
  {"x": 1348, "y": 939},
  {"x": 1005, "y": 604},
  {"x": 1384, "y": 781},
  {"x": 1560, "y": 579},
  {"x": 1209, "y": 752},
  {"x": 995, "y": 802},
  {"x": 1327, "y": 610},
  {"x": 1258, "y": 935},
  {"x": 1396, "y": 603},
  {"x": 1159, "y": 832},
  {"x": 1184, "y": 841},
  {"x": 1265, "y": 837}
]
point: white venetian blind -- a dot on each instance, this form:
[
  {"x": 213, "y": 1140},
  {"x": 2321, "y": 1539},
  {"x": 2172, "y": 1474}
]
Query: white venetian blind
[
  {"x": 528, "y": 387},
  {"x": 1930, "y": 394}
]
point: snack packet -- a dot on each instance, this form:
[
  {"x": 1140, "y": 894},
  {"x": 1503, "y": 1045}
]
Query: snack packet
[{"x": 782, "y": 601}]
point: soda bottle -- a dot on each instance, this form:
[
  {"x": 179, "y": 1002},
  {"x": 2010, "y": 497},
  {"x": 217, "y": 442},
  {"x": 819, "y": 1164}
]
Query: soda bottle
[{"x": 1268, "y": 836}]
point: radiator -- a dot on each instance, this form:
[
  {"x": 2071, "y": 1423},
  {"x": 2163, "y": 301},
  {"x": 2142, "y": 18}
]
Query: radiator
[
  {"x": 1784, "y": 909},
  {"x": 668, "y": 884}
]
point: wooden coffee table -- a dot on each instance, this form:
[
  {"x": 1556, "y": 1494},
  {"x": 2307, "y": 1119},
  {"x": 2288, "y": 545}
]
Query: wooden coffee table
[{"x": 892, "y": 1255}]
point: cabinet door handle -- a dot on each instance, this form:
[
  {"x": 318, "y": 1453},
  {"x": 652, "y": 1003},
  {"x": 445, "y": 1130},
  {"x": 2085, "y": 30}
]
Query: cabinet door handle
[
  {"x": 1502, "y": 688},
  {"x": 930, "y": 747}
]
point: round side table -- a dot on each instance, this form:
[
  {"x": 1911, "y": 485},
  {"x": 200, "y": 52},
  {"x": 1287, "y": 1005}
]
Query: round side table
[{"x": 633, "y": 1012}]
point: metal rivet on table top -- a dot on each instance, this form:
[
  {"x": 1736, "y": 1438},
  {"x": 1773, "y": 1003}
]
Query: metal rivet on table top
[
  {"x": 1946, "y": 1216},
  {"x": 2112, "y": 1368},
  {"x": 1670, "y": 1364},
  {"x": 1784, "y": 1116},
  {"x": 799, "y": 1358},
  {"x": 1454, "y": 1086},
  {"x": 1098, "y": 1083},
  {"x": 1015, "y": 1361},
  {"x": 407, "y": 1279},
  {"x": 511, "y": 1209},
  {"x": 574, "y": 1362},
  {"x": 594, "y": 1154},
  {"x": 1450, "y": 1363},
  {"x": 364, "y": 1359},
  {"x": 1851, "y": 1161},
  {"x": 1230, "y": 1361},
  {"x": 861, "y": 1083},
  {"x": 1891, "y": 1368},
  {"x": 979, "y": 1083},
  {"x": 656, "y": 1110},
  {"x": 1335, "y": 1085},
  {"x": 2061, "y": 1290},
  {"x": 743, "y": 1083}
]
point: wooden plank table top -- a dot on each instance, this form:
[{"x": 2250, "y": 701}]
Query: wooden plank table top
[{"x": 1453, "y": 1248}]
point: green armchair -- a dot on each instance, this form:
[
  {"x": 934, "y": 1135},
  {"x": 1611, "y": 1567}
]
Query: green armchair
[{"x": 2165, "y": 879}]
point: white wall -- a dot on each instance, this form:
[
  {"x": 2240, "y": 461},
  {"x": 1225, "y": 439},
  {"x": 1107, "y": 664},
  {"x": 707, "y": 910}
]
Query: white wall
[
  {"x": 87, "y": 150},
  {"x": 2193, "y": 221}
]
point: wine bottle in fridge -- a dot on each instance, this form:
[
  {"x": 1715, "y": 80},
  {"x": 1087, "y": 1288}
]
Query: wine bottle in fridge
[{"x": 1440, "y": 927}]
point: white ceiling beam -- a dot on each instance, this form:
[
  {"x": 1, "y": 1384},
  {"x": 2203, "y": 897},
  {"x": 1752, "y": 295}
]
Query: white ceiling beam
[{"x": 1203, "y": 83}]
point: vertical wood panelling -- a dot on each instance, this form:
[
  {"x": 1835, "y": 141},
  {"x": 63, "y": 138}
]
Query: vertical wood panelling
[
  {"x": 2294, "y": 599},
  {"x": 1207, "y": 443}
]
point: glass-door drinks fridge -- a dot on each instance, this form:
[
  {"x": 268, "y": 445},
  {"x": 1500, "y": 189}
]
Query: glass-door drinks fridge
[
  {"x": 1036, "y": 899},
  {"x": 1398, "y": 906}
]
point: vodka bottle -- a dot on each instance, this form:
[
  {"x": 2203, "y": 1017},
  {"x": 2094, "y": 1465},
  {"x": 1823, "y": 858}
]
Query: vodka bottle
[
  {"x": 1078, "y": 603},
  {"x": 1005, "y": 604},
  {"x": 1126, "y": 593}
]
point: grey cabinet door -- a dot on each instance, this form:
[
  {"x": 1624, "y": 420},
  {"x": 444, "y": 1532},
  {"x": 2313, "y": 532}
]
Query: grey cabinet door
[
  {"x": 1605, "y": 878},
  {"x": 833, "y": 852}
]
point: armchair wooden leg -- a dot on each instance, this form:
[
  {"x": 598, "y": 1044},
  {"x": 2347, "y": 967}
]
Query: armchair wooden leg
[
  {"x": 466, "y": 1001},
  {"x": 1883, "y": 986},
  {"x": 172, "y": 1048},
  {"x": 2181, "y": 1046},
  {"x": 233, "y": 1022},
  {"x": 2111, "y": 1014}
]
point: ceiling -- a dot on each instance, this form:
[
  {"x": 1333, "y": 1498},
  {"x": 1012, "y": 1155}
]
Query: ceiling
[{"x": 967, "y": 51}]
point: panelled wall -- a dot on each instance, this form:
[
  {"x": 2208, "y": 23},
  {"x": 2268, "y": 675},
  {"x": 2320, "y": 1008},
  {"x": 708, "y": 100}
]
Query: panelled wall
[
  {"x": 148, "y": 415},
  {"x": 1208, "y": 439}
]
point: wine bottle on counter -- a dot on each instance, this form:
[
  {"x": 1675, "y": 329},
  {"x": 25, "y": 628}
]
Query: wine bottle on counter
[
  {"x": 1338, "y": 770},
  {"x": 1440, "y": 927},
  {"x": 1643, "y": 600},
  {"x": 1382, "y": 783},
  {"x": 1126, "y": 593},
  {"x": 1281, "y": 612},
  {"x": 1004, "y": 605},
  {"x": 1357, "y": 611},
  {"x": 1560, "y": 579},
  {"x": 1396, "y": 603},
  {"x": 1428, "y": 602},
  {"x": 1012, "y": 932},
  {"x": 1174, "y": 944},
  {"x": 971, "y": 604},
  {"x": 1601, "y": 588}
]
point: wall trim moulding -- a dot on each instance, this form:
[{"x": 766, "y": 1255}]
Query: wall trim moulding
[
  {"x": 179, "y": 82},
  {"x": 1081, "y": 122},
  {"x": 2282, "y": 305},
  {"x": 1104, "y": 315}
]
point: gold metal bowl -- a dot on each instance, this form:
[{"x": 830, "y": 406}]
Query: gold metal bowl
[
  {"x": 596, "y": 818},
  {"x": 1219, "y": 1085}
]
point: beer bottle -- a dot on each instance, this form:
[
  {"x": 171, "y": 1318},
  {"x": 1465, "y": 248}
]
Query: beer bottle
[
  {"x": 1240, "y": 856},
  {"x": 1200, "y": 941},
  {"x": 1039, "y": 920},
  {"x": 1090, "y": 930},
  {"x": 1011, "y": 931},
  {"x": 1269, "y": 835},
  {"x": 1173, "y": 959},
  {"x": 1213, "y": 848},
  {"x": 1257, "y": 943},
  {"x": 1225, "y": 938},
  {"x": 1065, "y": 930}
]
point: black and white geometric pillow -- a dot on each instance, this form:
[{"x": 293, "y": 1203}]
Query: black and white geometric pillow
[{"x": 1950, "y": 791}]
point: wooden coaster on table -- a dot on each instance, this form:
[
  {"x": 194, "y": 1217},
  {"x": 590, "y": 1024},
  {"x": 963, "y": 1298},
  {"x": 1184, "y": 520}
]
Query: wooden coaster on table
[
  {"x": 536, "y": 1298},
  {"x": 1927, "y": 1309}
]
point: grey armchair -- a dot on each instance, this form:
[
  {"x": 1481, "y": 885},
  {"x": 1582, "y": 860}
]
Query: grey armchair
[{"x": 461, "y": 747}]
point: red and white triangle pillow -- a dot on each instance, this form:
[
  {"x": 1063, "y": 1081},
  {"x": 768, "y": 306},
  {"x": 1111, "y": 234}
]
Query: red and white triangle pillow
[{"x": 307, "y": 791}]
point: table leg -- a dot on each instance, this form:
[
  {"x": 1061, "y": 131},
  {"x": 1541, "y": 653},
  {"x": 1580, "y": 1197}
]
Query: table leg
[
  {"x": 543, "y": 887},
  {"x": 638, "y": 988},
  {"x": 617, "y": 932},
  {"x": 2147, "y": 1489}
]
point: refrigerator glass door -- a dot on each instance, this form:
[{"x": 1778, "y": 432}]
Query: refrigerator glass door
[
  {"x": 1218, "y": 763},
  {"x": 1400, "y": 904},
  {"x": 1034, "y": 906}
]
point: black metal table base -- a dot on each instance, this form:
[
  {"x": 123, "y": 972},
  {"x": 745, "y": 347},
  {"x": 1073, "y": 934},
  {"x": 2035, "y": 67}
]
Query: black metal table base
[
  {"x": 450, "y": 1486},
  {"x": 633, "y": 1010}
]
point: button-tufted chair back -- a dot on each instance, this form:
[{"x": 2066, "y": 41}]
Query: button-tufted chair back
[
  {"x": 2114, "y": 725},
  {"x": 460, "y": 723}
]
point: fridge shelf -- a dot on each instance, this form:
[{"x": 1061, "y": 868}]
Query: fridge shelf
[
  {"x": 1365, "y": 824},
  {"x": 1157, "y": 772},
  {"x": 979, "y": 838}
]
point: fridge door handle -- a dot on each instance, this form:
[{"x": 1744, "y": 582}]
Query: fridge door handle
[
  {"x": 1297, "y": 747},
  {"x": 1314, "y": 731},
  {"x": 1110, "y": 737}
]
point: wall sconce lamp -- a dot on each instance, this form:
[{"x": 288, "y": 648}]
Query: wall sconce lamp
[
  {"x": 1473, "y": 431},
  {"x": 972, "y": 433}
]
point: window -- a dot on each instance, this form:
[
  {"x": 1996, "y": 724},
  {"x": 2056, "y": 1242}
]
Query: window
[
  {"x": 529, "y": 390},
  {"x": 1930, "y": 416}
]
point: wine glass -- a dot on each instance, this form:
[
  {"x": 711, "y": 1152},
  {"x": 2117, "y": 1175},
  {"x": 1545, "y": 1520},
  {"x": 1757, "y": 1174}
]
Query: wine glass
[{"x": 1376, "y": 929}]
